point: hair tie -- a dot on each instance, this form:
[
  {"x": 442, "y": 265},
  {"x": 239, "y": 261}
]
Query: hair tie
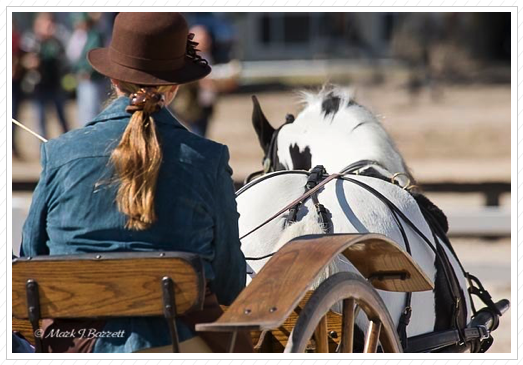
[{"x": 147, "y": 99}]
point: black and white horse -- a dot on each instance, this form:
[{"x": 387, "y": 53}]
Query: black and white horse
[{"x": 334, "y": 131}]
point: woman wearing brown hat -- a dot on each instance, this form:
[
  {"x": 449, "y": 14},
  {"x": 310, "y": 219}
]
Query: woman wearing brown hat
[{"x": 134, "y": 179}]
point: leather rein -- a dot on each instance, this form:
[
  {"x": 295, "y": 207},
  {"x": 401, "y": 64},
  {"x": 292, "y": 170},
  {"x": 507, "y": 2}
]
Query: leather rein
[
  {"x": 347, "y": 170},
  {"x": 293, "y": 203}
]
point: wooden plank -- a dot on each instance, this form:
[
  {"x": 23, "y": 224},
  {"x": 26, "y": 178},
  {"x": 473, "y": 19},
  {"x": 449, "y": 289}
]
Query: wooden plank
[
  {"x": 25, "y": 328},
  {"x": 375, "y": 257},
  {"x": 348, "y": 320},
  {"x": 113, "y": 285},
  {"x": 283, "y": 281},
  {"x": 372, "y": 337},
  {"x": 320, "y": 337},
  {"x": 278, "y": 337}
]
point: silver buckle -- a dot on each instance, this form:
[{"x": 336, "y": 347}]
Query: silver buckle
[{"x": 483, "y": 332}]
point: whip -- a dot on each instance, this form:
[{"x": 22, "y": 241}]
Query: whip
[{"x": 28, "y": 130}]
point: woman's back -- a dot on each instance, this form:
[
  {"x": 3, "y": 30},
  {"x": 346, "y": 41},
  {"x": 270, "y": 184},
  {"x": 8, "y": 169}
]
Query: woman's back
[
  {"x": 74, "y": 208},
  {"x": 134, "y": 179}
]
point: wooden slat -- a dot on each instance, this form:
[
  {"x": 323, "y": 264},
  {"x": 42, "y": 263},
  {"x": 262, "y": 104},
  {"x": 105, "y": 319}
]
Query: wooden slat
[
  {"x": 372, "y": 337},
  {"x": 113, "y": 285},
  {"x": 377, "y": 256},
  {"x": 279, "y": 337},
  {"x": 283, "y": 281},
  {"x": 348, "y": 319},
  {"x": 25, "y": 328},
  {"x": 320, "y": 337}
]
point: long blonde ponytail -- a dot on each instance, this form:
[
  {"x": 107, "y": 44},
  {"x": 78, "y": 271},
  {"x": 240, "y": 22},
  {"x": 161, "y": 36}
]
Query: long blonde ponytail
[{"x": 138, "y": 157}]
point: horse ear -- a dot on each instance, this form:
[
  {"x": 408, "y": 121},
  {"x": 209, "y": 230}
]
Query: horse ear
[{"x": 261, "y": 125}]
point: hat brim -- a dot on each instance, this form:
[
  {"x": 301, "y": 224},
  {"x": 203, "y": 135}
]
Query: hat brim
[{"x": 190, "y": 71}]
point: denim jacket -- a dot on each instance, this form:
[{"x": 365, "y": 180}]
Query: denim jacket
[{"x": 74, "y": 211}]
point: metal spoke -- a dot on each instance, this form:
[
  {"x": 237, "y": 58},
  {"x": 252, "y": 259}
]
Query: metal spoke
[
  {"x": 347, "y": 331},
  {"x": 373, "y": 335}
]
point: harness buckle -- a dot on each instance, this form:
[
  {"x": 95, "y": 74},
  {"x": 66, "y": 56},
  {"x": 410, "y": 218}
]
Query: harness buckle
[
  {"x": 316, "y": 176},
  {"x": 293, "y": 213},
  {"x": 405, "y": 317},
  {"x": 483, "y": 332},
  {"x": 266, "y": 165}
]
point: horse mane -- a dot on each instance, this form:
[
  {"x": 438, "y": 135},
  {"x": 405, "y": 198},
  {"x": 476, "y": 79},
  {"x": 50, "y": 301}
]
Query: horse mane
[
  {"x": 310, "y": 97},
  {"x": 331, "y": 100}
]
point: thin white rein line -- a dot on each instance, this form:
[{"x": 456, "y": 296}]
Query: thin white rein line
[{"x": 28, "y": 130}]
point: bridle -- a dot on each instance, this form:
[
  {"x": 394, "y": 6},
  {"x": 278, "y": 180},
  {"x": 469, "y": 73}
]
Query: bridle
[{"x": 270, "y": 159}]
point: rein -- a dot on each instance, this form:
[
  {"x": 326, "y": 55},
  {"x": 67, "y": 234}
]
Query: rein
[
  {"x": 347, "y": 170},
  {"x": 293, "y": 203}
]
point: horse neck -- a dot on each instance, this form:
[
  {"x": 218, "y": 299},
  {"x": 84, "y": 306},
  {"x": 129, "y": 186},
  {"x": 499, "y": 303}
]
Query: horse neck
[{"x": 370, "y": 142}]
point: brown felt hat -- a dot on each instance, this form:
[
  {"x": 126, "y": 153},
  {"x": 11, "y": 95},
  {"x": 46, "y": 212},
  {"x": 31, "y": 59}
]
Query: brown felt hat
[{"x": 150, "y": 49}]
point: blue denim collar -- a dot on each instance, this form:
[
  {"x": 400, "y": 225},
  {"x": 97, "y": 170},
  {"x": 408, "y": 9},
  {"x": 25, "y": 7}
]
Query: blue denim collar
[{"x": 116, "y": 110}]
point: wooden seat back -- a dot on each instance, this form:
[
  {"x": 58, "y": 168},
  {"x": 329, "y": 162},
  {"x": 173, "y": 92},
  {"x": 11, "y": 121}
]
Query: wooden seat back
[{"x": 104, "y": 285}]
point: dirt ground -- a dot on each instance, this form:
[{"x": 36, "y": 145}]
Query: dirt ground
[
  {"x": 489, "y": 260},
  {"x": 458, "y": 133}
]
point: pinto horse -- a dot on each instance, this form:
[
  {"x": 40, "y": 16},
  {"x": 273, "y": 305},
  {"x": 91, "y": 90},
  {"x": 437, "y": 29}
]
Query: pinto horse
[{"x": 334, "y": 131}]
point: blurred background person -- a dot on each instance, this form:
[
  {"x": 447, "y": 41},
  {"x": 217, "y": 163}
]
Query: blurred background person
[
  {"x": 415, "y": 42},
  {"x": 91, "y": 86},
  {"x": 195, "y": 101},
  {"x": 45, "y": 62},
  {"x": 16, "y": 83},
  {"x": 195, "y": 104}
]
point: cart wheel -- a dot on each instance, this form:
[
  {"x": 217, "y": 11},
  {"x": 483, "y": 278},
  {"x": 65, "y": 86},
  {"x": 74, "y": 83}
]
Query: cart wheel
[{"x": 355, "y": 293}]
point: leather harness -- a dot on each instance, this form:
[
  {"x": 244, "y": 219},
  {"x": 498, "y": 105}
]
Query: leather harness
[{"x": 458, "y": 334}]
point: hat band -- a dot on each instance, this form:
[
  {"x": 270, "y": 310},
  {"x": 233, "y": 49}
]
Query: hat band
[{"x": 145, "y": 64}]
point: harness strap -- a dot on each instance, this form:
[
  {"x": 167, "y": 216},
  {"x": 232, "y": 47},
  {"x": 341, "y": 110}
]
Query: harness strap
[
  {"x": 404, "y": 322},
  {"x": 293, "y": 203},
  {"x": 315, "y": 177},
  {"x": 355, "y": 166},
  {"x": 453, "y": 288},
  {"x": 407, "y": 312},
  {"x": 458, "y": 319},
  {"x": 438, "y": 340},
  {"x": 323, "y": 215},
  {"x": 481, "y": 293}
]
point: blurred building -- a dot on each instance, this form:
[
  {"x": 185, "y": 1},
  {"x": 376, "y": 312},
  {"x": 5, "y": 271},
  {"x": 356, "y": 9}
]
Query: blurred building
[
  {"x": 436, "y": 46},
  {"x": 279, "y": 36},
  {"x": 314, "y": 35},
  {"x": 308, "y": 35}
]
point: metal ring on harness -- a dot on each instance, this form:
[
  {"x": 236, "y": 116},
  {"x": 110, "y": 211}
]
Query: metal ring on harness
[
  {"x": 267, "y": 165},
  {"x": 404, "y": 187}
]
